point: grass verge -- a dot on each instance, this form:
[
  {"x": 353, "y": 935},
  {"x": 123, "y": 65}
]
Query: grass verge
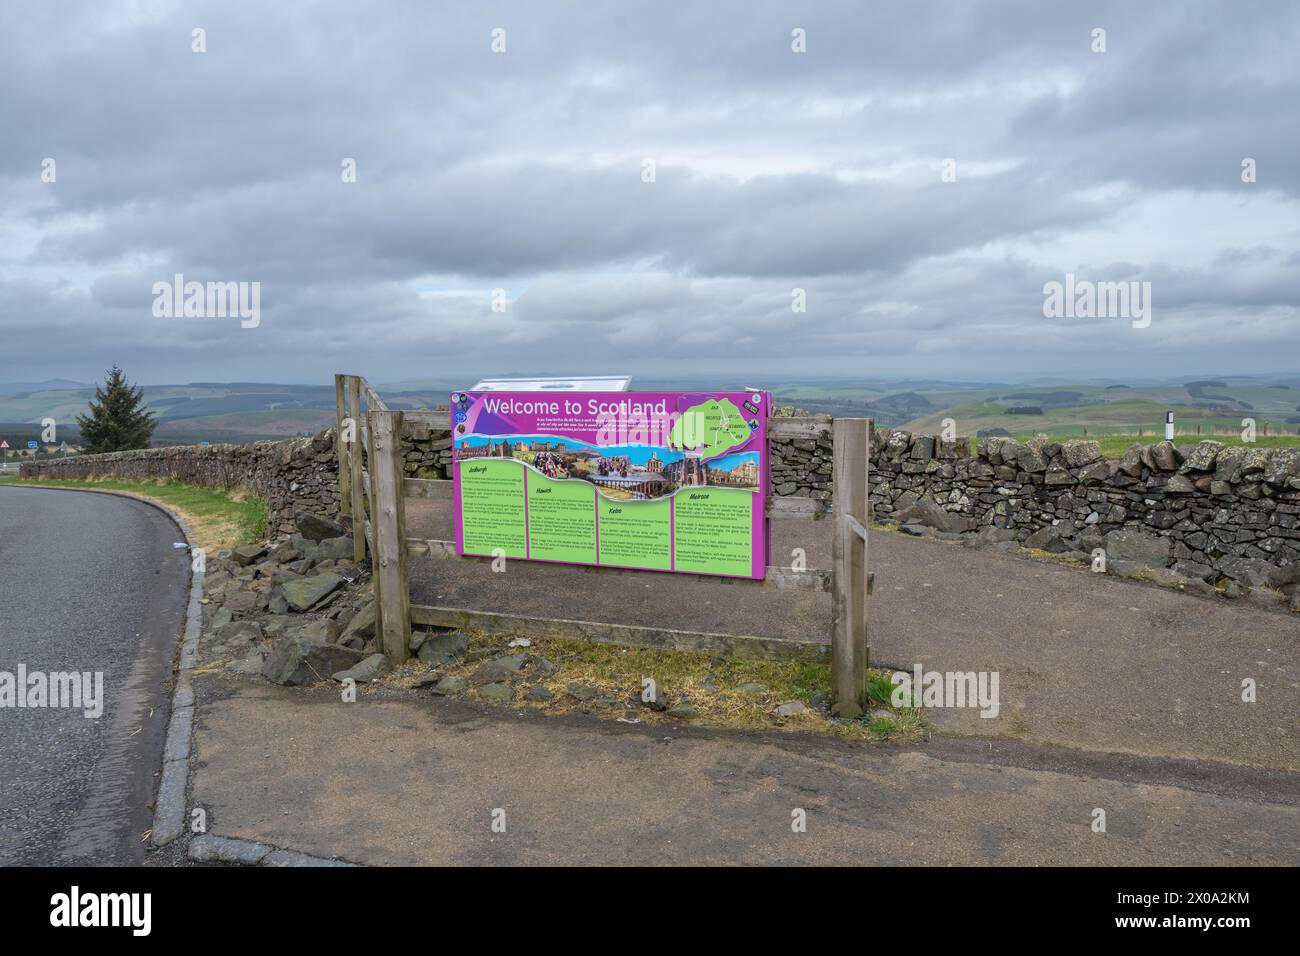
[
  {"x": 217, "y": 518},
  {"x": 709, "y": 685}
]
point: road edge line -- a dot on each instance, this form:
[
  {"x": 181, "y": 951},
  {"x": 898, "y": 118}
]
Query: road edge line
[{"x": 169, "y": 804}]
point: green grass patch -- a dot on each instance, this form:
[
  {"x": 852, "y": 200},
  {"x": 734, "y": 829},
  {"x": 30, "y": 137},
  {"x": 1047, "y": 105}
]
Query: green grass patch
[
  {"x": 880, "y": 689},
  {"x": 217, "y": 518}
]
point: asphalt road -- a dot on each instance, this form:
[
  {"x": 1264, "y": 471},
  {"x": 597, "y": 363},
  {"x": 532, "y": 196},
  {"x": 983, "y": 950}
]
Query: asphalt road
[{"x": 88, "y": 583}]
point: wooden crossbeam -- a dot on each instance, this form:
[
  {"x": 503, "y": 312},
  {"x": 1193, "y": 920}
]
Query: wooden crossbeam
[
  {"x": 428, "y": 416},
  {"x": 796, "y": 507},
  {"x": 855, "y": 526},
  {"x": 783, "y": 579},
  {"x": 438, "y": 488},
  {"x": 805, "y": 426},
  {"x": 373, "y": 402},
  {"x": 356, "y": 489},
  {"x": 625, "y": 635},
  {"x": 341, "y": 447}
]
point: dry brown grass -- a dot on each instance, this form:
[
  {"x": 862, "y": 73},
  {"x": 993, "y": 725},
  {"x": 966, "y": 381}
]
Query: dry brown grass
[{"x": 709, "y": 684}]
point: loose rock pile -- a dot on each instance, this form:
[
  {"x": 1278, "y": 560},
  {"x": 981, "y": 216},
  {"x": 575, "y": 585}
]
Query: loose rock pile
[{"x": 296, "y": 611}]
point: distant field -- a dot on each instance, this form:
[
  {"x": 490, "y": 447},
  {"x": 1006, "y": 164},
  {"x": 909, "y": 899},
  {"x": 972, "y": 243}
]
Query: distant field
[
  {"x": 248, "y": 411},
  {"x": 269, "y": 423},
  {"x": 1114, "y": 446},
  {"x": 1137, "y": 417}
]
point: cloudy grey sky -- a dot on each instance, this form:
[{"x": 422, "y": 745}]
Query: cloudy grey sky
[{"x": 524, "y": 171}]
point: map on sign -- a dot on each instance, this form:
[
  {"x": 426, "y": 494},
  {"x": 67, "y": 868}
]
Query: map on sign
[{"x": 711, "y": 428}]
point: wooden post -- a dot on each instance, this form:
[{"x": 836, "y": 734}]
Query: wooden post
[
  {"x": 393, "y": 601},
  {"x": 370, "y": 470},
  {"x": 376, "y": 583},
  {"x": 358, "y": 486},
  {"x": 866, "y": 552},
  {"x": 849, "y": 567},
  {"x": 345, "y": 469}
]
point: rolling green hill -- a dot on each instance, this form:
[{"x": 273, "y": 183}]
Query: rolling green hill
[
  {"x": 1132, "y": 416},
  {"x": 248, "y": 411},
  {"x": 1128, "y": 410}
]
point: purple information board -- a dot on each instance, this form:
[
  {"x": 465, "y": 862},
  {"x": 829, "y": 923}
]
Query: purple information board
[{"x": 661, "y": 481}]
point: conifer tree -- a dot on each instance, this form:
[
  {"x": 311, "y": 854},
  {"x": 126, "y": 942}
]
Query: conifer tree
[{"x": 116, "y": 421}]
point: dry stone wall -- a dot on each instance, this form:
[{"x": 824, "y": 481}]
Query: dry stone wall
[
  {"x": 426, "y": 451},
  {"x": 1209, "y": 510},
  {"x": 801, "y": 467},
  {"x": 300, "y": 474}
]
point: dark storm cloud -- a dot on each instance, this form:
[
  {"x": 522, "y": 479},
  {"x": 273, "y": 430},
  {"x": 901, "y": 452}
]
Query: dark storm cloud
[{"x": 522, "y": 172}]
